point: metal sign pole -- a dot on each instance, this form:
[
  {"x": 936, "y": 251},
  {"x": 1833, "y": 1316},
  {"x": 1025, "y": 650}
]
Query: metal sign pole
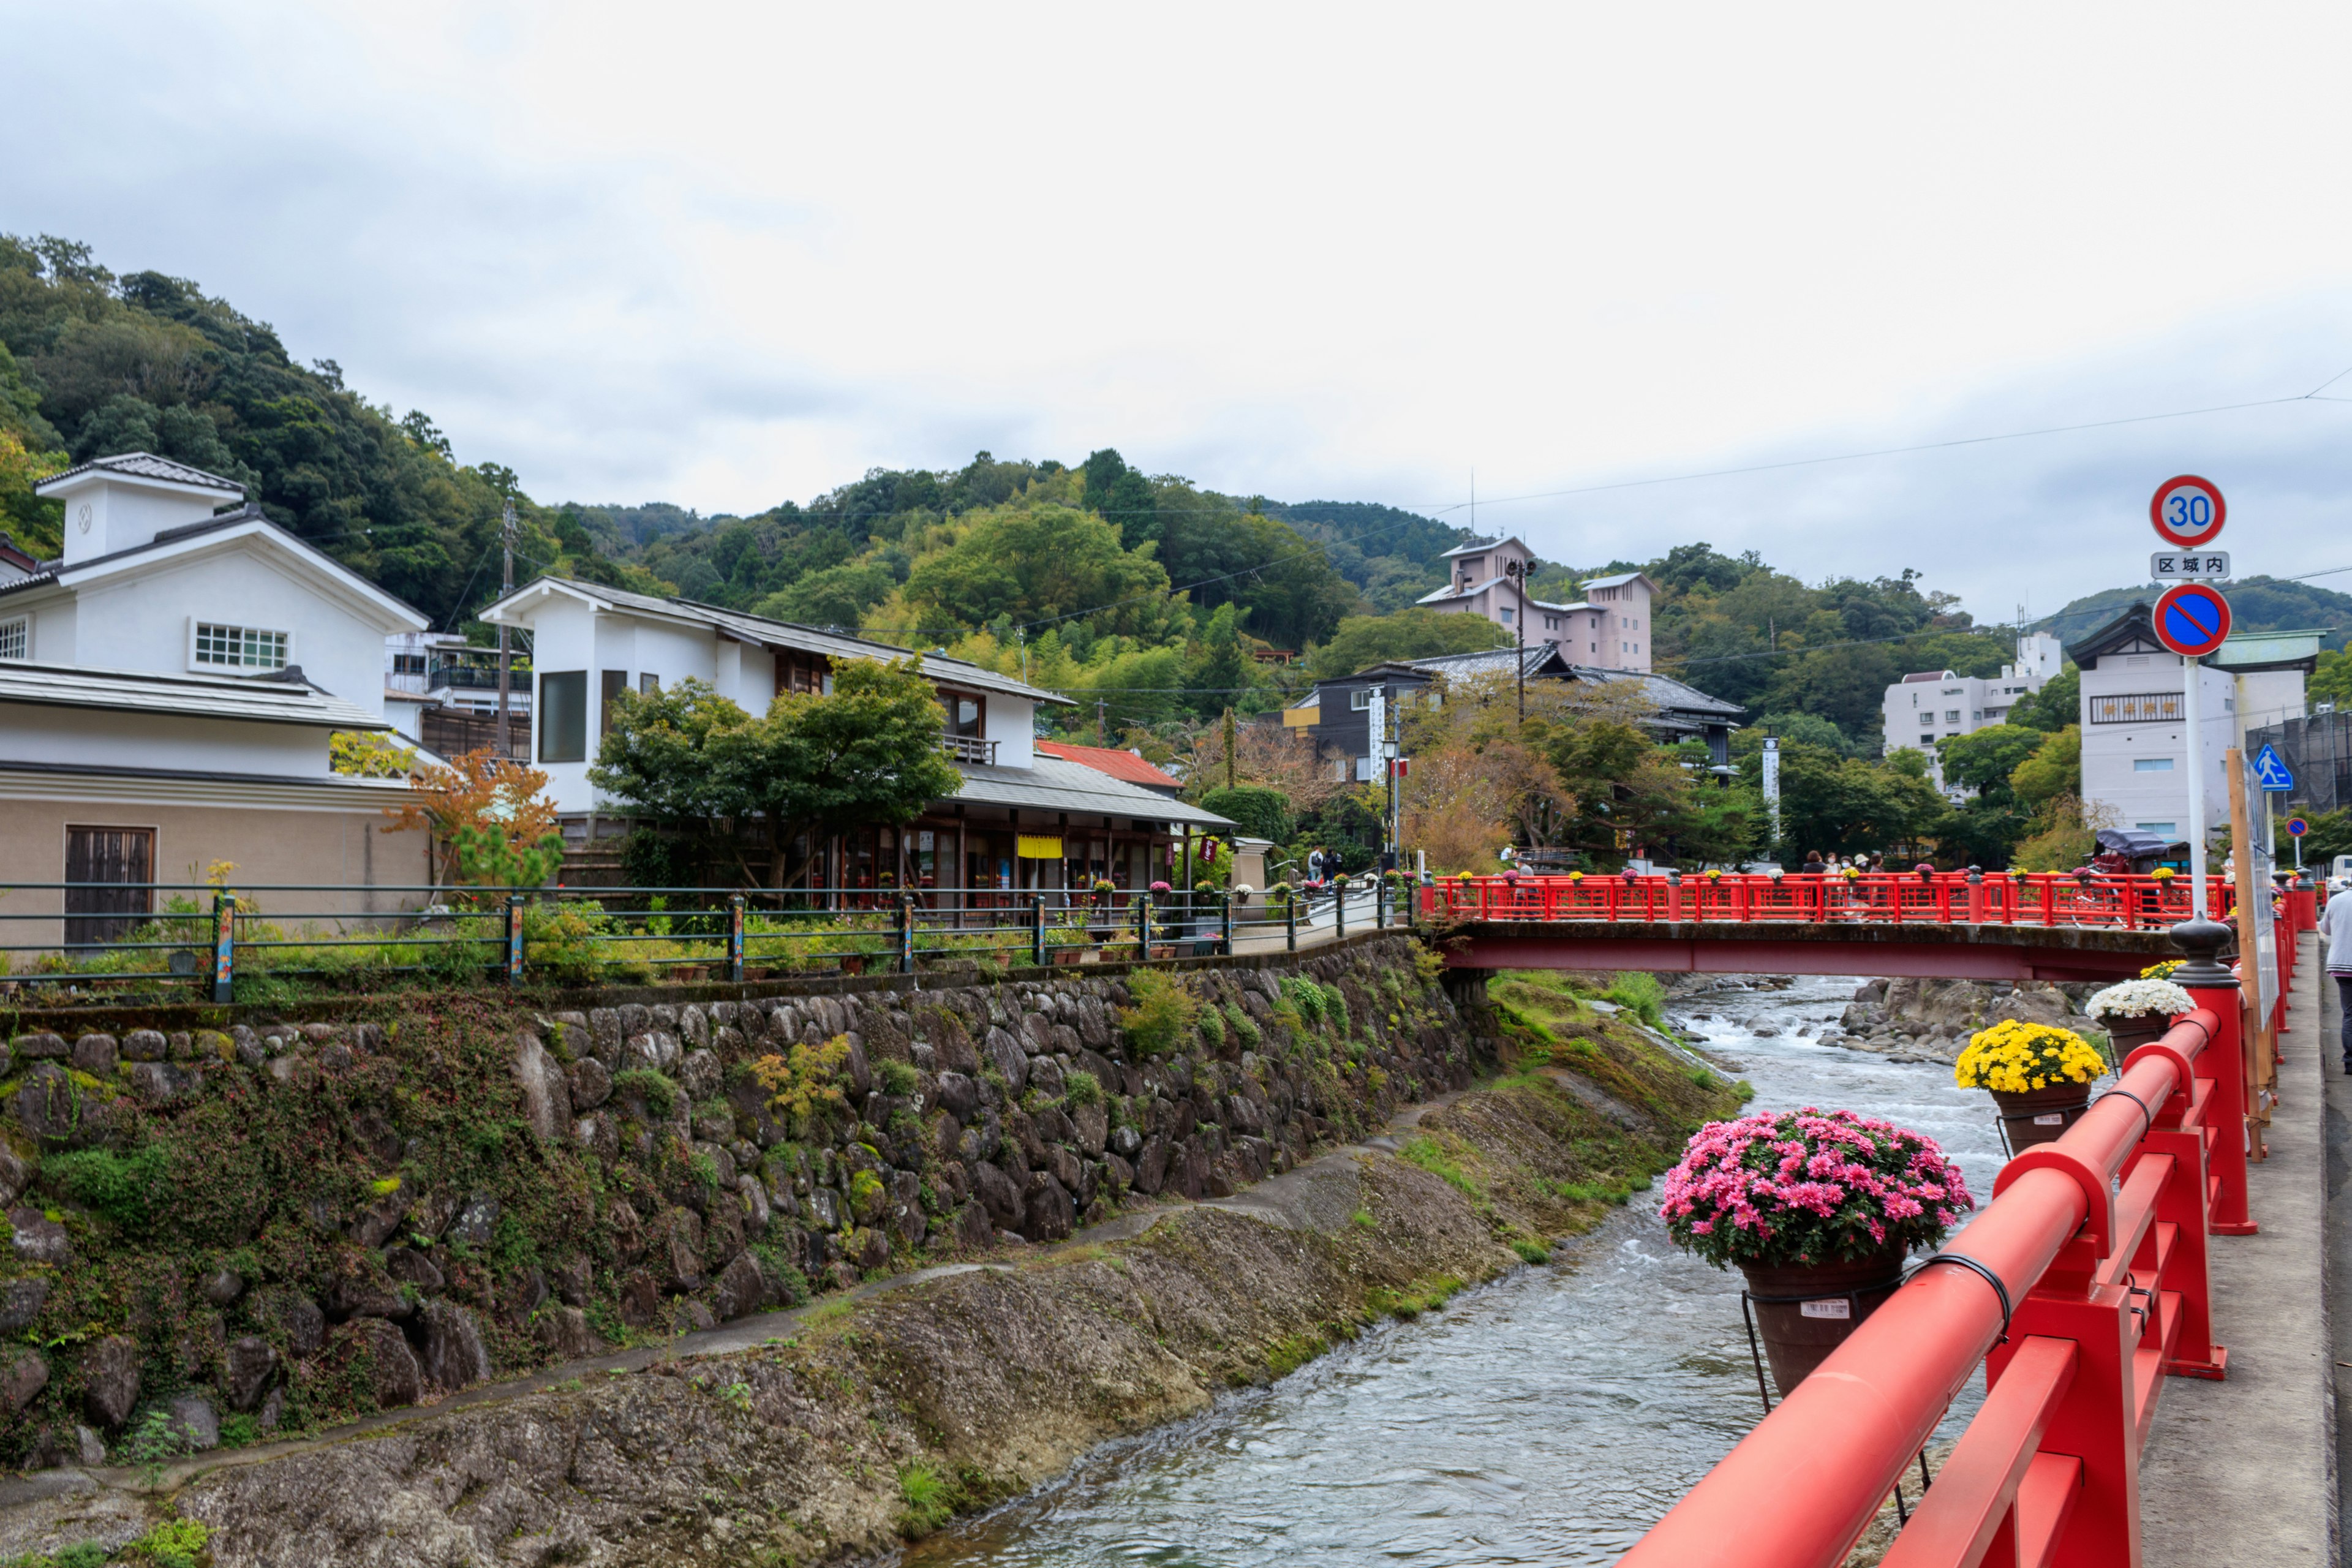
[{"x": 2190, "y": 708}]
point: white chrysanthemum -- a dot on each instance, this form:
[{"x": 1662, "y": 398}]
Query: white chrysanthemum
[{"x": 2139, "y": 999}]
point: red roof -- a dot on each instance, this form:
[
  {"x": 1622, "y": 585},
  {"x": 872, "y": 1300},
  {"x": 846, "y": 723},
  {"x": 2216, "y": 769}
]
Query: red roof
[{"x": 1109, "y": 760}]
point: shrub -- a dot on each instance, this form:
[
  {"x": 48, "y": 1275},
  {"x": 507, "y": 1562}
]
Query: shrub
[
  {"x": 1082, "y": 1088},
  {"x": 127, "y": 1189},
  {"x": 659, "y": 1092},
  {"x": 1213, "y": 1029},
  {"x": 930, "y": 1498},
  {"x": 1305, "y": 998},
  {"x": 175, "y": 1543},
  {"x": 1163, "y": 1015},
  {"x": 1335, "y": 1007},
  {"x": 1640, "y": 994},
  {"x": 896, "y": 1077},
  {"x": 804, "y": 1083},
  {"x": 1244, "y": 1027}
]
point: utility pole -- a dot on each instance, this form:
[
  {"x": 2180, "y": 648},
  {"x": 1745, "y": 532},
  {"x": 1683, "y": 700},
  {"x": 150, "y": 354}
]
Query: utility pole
[
  {"x": 506, "y": 545},
  {"x": 1229, "y": 747},
  {"x": 1102, "y": 724},
  {"x": 1516, "y": 571}
]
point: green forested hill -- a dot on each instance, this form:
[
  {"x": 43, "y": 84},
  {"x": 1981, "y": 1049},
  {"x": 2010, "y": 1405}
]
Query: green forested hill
[{"x": 2256, "y": 605}]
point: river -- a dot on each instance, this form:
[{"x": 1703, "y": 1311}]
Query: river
[{"x": 1547, "y": 1417}]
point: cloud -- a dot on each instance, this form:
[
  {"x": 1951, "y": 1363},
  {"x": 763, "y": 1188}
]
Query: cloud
[{"x": 744, "y": 253}]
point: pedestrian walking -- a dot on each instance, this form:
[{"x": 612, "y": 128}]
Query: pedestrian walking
[
  {"x": 1315, "y": 864},
  {"x": 2336, "y": 934}
]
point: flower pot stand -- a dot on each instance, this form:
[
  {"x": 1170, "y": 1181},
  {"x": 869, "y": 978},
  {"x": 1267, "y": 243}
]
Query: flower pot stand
[
  {"x": 2034, "y": 1116},
  {"x": 1799, "y": 1312}
]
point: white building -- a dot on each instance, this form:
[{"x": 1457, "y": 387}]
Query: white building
[
  {"x": 168, "y": 690},
  {"x": 2135, "y": 752},
  {"x": 1022, "y": 819},
  {"x": 1608, "y": 628},
  {"x": 154, "y": 578},
  {"x": 1935, "y": 705}
]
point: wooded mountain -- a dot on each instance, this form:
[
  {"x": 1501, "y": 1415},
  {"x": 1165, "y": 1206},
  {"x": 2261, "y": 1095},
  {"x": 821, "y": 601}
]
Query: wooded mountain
[{"x": 2256, "y": 605}]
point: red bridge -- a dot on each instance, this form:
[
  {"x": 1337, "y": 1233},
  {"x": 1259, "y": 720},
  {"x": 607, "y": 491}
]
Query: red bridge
[{"x": 1948, "y": 925}]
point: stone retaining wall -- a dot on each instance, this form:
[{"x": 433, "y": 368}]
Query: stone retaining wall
[{"x": 287, "y": 1222}]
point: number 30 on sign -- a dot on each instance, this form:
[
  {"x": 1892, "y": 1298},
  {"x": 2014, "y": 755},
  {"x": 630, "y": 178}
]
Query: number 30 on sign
[{"x": 2188, "y": 511}]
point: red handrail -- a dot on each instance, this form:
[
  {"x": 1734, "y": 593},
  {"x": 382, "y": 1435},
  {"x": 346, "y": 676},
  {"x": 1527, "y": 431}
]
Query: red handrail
[
  {"x": 2109, "y": 1291},
  {"x": 1944, "y": 897}
]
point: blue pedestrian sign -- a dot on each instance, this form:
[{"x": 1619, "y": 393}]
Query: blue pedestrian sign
[{"x": 2272, "y": 773}]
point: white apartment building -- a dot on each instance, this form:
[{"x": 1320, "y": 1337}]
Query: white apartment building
[
  {"x": 1935, "y": 705},
  {"x": 1608, "y": 628}
]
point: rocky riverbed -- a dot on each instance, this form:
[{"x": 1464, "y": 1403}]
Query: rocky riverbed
[{"x": 1931, "y": 1020}]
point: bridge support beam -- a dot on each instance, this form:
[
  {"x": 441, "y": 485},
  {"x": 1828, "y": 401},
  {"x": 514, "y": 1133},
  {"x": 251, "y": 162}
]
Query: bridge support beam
[{"x": 1713, "y": 947}]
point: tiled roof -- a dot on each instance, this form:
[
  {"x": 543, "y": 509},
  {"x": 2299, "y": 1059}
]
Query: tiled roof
[
  {"x": 791, "y": 634},
  {"x": 251, "y": 698},
  {"x": 1119, "y": 764},
  {"x": 1053, "y": 784},
  {"x": 144, "y": 466}
]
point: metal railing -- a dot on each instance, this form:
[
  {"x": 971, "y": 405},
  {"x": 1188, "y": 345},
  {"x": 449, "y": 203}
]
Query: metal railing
[
  {"x": 2080, "y": 1286},
  {"x": 172, "y": 938},
  {"x": 1943, "y": 898}
]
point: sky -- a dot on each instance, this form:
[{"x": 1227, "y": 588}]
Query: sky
[{"x": 725, "y": 255}]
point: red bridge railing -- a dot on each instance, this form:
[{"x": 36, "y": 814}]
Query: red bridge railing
[
  {"x": 2079, "y": 1286},
  {"x": 1950, "y": 897}
]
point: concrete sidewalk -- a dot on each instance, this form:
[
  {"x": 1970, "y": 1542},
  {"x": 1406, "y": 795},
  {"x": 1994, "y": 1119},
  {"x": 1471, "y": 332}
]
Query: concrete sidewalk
[{"x": 2243, "y": 1472}]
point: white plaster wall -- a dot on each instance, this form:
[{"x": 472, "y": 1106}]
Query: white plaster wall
[
  {"x": 145, "y": 622},
  {"x": 89, "y": 737},
  {"x": 564, "y": 636},
  {"x": 2110, "y": 751},
  {"x": 1012, "y": 724},
  {"x": 123, "y": 514},
  {"x": 2269, "y": 696}
]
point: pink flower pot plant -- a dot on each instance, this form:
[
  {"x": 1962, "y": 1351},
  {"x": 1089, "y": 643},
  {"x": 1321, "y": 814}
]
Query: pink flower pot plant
[{"x": 1818, "y": 1208}]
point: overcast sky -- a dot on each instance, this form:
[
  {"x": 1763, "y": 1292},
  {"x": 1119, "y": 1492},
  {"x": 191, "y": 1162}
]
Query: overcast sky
[{"x": 725, "y": 255}]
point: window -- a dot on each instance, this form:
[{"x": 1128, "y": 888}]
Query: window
[
  {"x": 16, "y": 638},
  {"x": 1951, "y": 715},
  {"x": 1551, "y": 622},
  {"x": 647, "y": 683},
  {"x": 2139, "y": 707},
  {"x": 612, "y": 682},
  {"x": 120, "y": 861},
  {"x": 2166, "y": 828},
  {"x": 1507, "y": 617},
  {"x": 2151, "y": 765},
  {"x": 408, "y": 664},
  {"x": 562, "y": 714},
  {"x": 1928, "y": 740},
  {"x": 968, "y": 716},
  {"x": 239, "y": 647},
  {"x": 1359, "y": 700}
]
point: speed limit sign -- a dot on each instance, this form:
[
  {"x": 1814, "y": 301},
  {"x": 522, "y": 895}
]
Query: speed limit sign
[{"x": 2188, "y": 511}]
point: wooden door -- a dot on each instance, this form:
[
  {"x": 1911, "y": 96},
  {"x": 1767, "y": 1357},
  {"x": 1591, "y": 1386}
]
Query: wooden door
[{"x": 122, "y": 861}]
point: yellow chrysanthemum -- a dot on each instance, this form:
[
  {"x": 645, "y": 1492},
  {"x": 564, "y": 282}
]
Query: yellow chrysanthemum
[{"x": 2014, "y": 1056}]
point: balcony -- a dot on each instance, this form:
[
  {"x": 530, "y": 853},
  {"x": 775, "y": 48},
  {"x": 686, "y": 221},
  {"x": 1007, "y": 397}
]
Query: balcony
[{"x": 969, "y": 749}]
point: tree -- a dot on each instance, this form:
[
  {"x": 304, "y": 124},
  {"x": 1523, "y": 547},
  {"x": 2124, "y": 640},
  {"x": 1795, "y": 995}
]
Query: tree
[
  {"x": 2057, "y": 705},
  {"x": 2331, "y": 681},
  {"x": 1362, "y": 641},
  {"x": 866, "y": 753},
  {"x": 492, "y": 824},
  {"x": 1984, "y": 759},
  {"x": 662, "y": 753},
  {"x": 2054, "y": 769},
  {"x": 1256, "y": 811},
  {"x": 1041, "y": 563}
]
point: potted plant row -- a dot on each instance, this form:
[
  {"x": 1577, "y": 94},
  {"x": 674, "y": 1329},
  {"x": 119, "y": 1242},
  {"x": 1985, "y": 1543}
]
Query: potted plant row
[
  {"x": 2039, "y": 1074},
  {"x": 1818, "y": 1209}
]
